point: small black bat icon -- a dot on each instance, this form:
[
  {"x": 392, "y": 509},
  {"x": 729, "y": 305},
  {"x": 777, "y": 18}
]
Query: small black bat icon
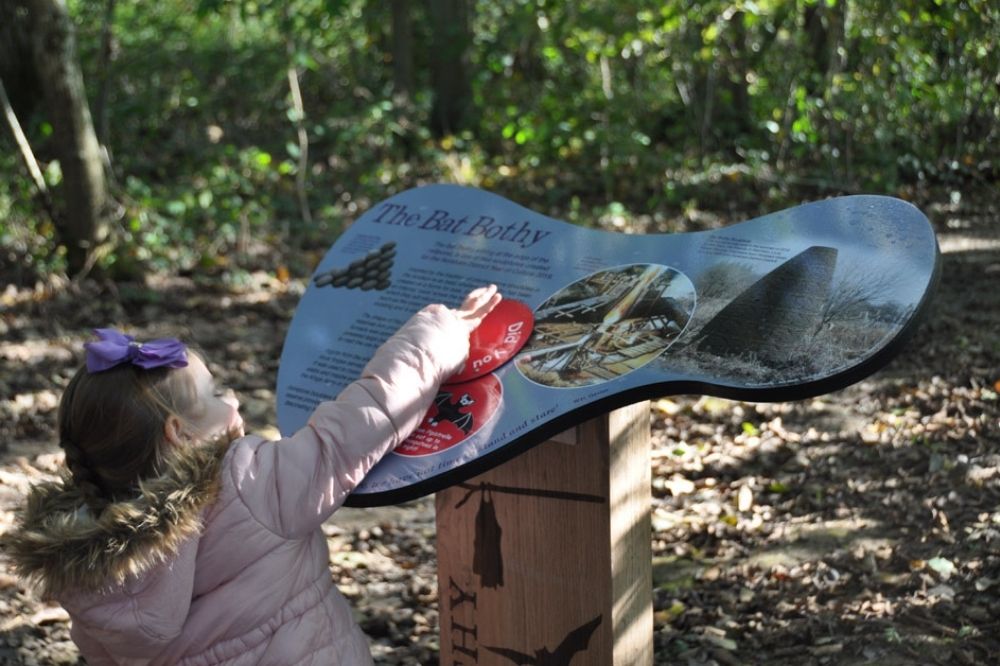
[
  {"x": 451, "y": 411},
  {"x": 575, "y": 641}
]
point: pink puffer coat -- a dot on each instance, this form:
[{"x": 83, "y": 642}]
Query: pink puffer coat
[{"x": 222, "y": 560}]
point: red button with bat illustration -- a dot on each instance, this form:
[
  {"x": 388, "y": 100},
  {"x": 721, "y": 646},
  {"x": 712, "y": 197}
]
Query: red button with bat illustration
[
  {"x": 459, "y": 412},
  {"x": 495, "y": 341}
]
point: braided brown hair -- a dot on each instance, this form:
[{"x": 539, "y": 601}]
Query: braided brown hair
[
  {"x": 86, "y": 480},
  {"x": 111, "y": 426}
]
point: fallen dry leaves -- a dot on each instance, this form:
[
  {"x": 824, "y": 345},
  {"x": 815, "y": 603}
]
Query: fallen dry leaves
[{"x": 857, "y": 527}]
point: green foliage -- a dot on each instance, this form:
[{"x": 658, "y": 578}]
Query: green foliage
[
  {"x": 586, "y": 110},
  {"x": 27, "y": 242}
]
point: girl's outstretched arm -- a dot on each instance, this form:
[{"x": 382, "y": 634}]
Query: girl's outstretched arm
[{"x": 293, "y": 485}]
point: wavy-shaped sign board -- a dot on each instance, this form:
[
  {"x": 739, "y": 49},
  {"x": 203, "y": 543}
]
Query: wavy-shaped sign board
[{"x": 782, "y": 307}]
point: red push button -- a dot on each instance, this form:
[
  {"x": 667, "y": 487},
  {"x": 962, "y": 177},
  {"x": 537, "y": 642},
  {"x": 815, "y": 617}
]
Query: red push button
[{"x": 497, "y": 339}]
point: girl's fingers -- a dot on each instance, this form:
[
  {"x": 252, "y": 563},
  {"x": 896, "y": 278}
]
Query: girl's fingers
[
  {"x": 477, "y": 298},
  {"x": 479, "y": 303}
]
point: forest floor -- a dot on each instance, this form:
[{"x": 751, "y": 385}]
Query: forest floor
[{"x": 860, "y": 527}]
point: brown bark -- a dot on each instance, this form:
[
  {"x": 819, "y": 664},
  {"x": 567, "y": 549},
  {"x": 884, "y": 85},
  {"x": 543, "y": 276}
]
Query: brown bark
[
  {"x": 84, "y": 188},
  {"x": 402, "y": 49},
  {"x": 27, "y": 154},
  {"x": 449, "y": 66},
  {"x": 16, "y": 64}
]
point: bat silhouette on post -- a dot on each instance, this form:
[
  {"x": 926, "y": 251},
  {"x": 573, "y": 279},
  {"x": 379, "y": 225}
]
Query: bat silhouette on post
[
  {"x": 575, "y": 641},
  {"x": 449, "y": 410}
]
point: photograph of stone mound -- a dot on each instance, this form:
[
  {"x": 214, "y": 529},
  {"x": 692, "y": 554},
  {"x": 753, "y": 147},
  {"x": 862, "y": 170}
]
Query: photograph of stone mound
[
  {"x": 809, "y": 316},
  {"x": 372, "y": 271},
  {"x": 607, "y": 325},
  {"x": 777, "y": 311}
]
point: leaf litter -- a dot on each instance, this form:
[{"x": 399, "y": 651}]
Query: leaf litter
[{"x": 859, "y": 527}]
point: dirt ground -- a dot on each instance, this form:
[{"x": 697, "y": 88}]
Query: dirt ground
[{"x": 860, "y": 527}]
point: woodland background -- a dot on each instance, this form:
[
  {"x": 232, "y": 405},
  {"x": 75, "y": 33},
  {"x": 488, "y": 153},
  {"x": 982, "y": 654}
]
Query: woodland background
[
  {"x": 221, "y": 129},
  {"x": 179, "y": 167}
]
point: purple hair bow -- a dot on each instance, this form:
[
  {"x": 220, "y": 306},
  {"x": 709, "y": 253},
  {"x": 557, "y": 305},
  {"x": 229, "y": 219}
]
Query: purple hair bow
[{"x": 115, "y": 348}]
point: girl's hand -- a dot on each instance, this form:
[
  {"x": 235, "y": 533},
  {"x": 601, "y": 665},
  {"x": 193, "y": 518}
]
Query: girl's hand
[{"x": 479, "y": 303}]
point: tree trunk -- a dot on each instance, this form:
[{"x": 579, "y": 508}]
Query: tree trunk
[
  {"x": 84, "y": 189},
  {"x": 17, "y": 68},
  {"x": 449, "y": 66},
  {"x": 739, "y": 52},
  {"x": 824, "y": 26},
  {"x": 27, "y": 154},
  {"x": 104, "y": 73},
  {"x": 402, "y": 49}
]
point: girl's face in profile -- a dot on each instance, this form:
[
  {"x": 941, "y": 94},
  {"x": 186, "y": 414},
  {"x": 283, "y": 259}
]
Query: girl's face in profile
[{"x": 216, "y": 409}]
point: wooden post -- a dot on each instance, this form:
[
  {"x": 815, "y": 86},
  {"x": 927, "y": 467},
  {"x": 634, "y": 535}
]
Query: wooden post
[{"x": 547, "y": 558}]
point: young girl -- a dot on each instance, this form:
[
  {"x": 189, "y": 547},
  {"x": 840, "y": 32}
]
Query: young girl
[{"x": 174, "y": 539}]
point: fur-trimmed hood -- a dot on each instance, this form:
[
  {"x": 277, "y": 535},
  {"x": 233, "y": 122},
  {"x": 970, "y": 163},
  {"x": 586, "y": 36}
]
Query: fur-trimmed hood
[
  {"x": 232, "y": 563},
  {"x": 60, "y": 545}
]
